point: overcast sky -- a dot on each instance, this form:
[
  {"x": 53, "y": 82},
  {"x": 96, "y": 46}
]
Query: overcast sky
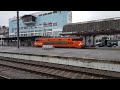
[{"x": 77, "y": 16}]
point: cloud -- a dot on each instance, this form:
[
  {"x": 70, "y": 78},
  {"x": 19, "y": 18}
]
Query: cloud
[
  {"x": 5, "y": 15},
  {"x": 77, "y": 16}
]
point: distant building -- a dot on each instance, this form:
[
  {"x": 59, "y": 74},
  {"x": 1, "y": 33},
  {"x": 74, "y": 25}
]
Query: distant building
[
  {"x": 44, "y": 23},
  {"x": 4, "y": 31},
  {"x": 31, "y": 26},
  {"x": 95, "y": 30}
]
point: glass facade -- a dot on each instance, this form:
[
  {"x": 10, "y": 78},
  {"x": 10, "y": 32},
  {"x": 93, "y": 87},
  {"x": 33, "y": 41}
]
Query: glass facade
[{"x": 44, "y": 23}]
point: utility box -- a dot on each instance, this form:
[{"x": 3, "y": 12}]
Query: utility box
[{"x": 118, "y": 43}]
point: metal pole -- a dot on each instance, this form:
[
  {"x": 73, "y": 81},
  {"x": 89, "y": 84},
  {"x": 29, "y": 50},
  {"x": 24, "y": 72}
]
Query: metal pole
[
  {"x": 89, "y": 41},
  {"x": 1, "y": 42},
  {"x": 17, "y": 29}
]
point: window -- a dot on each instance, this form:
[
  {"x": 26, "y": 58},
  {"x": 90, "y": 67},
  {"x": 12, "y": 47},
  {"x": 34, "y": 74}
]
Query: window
[
  {"x": 45, "y": 14},
  {"x": 12, "y": 31},
  {"x": 40, "y": 15},
  {"x": 55, "y": 24},
  {"x": 12, "y": 28},
  {"x": 31, "y": 34},
  {"x": 50, "y": 13},
  {"x": 77, "y": 39},
  {"x": 54, "y": 11},
  {"x": 24, "y": 34},
  {"x": 37, "y": 40},
  {"x": 27, "y": 19},
  {"x": 73, "y": 39},
  {"x": 49, "y": 29}
]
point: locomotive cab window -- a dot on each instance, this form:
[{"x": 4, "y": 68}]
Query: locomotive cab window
[
  {"x": 73, "y": 40},
  {"x": 37, "y": 40},
  {"x": 79, "y": 39}
]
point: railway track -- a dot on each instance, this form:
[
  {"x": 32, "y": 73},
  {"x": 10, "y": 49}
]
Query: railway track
[
  {"x": 4, "y": 77},
  {"x": 53, "y": 72}
]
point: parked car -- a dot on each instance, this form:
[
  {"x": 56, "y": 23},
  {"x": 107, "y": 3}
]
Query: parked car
[
  {"x": 112, "y": 43},
  {"x": 100, "y": 44}
]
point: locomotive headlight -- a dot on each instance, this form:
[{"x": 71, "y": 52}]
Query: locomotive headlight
[
  {"x": 80, "y": 44},
  {"x": 40, "y": 43}
]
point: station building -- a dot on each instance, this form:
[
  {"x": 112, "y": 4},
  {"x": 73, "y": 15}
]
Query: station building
[
  {"x": 44, "y": 23},
  {"x": 94, "y": 31}
]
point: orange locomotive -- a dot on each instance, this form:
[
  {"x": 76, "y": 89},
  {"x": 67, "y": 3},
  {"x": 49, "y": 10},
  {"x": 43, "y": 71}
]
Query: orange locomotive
[{"x": 76, "y": 42}]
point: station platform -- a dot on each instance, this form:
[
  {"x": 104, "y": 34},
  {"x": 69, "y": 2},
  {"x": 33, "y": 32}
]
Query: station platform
[
  {"x": 104, "y": 48},
  {"x": 88, "y": 58},
  {"x": 90, "y": 53}
]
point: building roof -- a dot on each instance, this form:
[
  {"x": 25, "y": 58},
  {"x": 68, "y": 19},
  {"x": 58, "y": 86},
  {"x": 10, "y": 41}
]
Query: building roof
[
  {"x": 36, "y": 14},
  {"x": 94, "y": 32},
  {"x": 33, "y": 14},
  {"x": 39, "y": 13},
  {"x": 26, "y": 16},
  {"x": 92, "y": 21}
]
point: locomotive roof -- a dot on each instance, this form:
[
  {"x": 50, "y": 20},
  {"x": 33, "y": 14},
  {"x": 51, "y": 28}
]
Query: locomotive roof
[{"x": 59, "y": 37}]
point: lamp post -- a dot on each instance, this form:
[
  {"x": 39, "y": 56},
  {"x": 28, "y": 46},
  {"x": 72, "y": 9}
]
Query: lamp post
[{"x": 17, "y": 29}]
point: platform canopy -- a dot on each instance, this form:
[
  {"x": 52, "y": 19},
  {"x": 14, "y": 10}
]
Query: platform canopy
[{"x": 94, "y": 32}]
